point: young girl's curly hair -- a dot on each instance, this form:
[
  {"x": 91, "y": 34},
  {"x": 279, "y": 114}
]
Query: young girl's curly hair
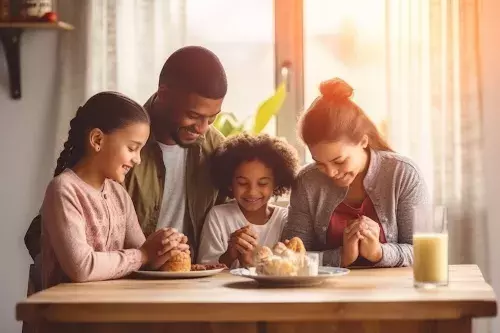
[{"x": 273, "y": 152}]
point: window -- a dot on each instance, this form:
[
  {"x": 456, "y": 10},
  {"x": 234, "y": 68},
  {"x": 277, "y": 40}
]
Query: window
[
  {"x": 339, "y": 39},
  {"x": 132, "y": 39},
  {"x": 375, "y": 45},
  {"x": 241, "y": 33},
  {"x": 347, "y": 40}
]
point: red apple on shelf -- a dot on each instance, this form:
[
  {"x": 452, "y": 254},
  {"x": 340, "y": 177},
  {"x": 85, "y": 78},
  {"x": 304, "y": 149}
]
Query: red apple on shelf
[{"x": 49, "y": 17}]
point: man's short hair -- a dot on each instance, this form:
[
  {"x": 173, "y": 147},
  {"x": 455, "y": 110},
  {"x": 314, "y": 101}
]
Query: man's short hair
[{"x": 195, "y": 69}]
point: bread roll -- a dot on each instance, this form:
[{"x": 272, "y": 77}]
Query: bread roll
[
  {"x": 179, "y": 263},
  {"x": 261, "y": 253},
  {"x": 295, "y": 244},
  {"x": 279, "y": 248},
  {"x": 277, "y": 266}
]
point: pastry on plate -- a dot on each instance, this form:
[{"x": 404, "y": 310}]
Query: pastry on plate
[
  {"x": 261, "y": 253},
  {"x": 178, "y": 263},
  {"x": 277, "y": 266},
  {"x": 295, "y": 244},
  {"x": 279, "y": 248},
  {"x": 286, "y": 259}
]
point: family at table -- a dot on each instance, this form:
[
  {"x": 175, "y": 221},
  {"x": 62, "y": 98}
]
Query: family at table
[{"x": 138, "y": 187}]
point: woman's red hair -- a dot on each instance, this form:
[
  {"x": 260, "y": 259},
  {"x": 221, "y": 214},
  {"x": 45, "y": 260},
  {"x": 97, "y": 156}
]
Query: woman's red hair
[{"x": 334, "y": 116}]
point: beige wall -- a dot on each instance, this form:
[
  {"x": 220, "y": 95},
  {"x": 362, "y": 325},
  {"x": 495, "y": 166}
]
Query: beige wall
[{"x": 26, "y": 161}]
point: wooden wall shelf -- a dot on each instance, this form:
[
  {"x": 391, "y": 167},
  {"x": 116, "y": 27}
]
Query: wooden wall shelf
[
  {"x": 37, "y": 25},
  {"x": 10, "y": 35}
]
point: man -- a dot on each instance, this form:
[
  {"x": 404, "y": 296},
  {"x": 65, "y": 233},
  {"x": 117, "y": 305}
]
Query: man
[{"x": 172, "y": 187}]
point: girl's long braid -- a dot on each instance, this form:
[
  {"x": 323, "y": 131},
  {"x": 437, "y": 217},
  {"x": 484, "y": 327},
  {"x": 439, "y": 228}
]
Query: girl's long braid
[{"x": 73, "y": 149}]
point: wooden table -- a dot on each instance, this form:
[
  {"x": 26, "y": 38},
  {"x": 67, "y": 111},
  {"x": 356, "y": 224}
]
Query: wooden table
[{"x": 371, "y": 300}]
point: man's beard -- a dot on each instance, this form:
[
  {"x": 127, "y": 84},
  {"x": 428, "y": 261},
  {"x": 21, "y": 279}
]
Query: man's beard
[
  {"x": 174, "y": 134},
  {"x": 165, "y": 128}
]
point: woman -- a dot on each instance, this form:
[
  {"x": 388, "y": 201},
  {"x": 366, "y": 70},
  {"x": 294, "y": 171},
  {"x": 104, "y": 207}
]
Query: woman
[{"x": 356, "y": 203}]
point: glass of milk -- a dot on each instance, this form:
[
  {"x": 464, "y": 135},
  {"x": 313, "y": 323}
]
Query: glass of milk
[
  {"x": 313, "y": 263},
  {"x": 430, "y": 247}
]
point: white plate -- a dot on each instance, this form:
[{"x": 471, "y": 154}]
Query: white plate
[
  {"x": 324, "y": 273},
  {"x": 178, "y": 275}
]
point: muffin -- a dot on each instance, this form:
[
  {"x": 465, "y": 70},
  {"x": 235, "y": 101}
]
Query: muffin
[{"x": 178, "y": 263}]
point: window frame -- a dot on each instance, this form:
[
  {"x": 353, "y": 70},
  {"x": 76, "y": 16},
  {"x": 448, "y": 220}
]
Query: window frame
[{"x": 289, "y": 52}]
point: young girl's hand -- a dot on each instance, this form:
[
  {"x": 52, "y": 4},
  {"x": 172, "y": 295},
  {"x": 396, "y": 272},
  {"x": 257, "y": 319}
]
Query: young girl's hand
[
  {"x": 161, "y": 245},
  {"x": 246, "y": 258},
  {"x": 184, "y": 239},
  {"x": 245, "y": 242},
  {"x": 153, "y": 244},
  {"x": 241, "y": 245},
  {"x": 172, "y": 236}
]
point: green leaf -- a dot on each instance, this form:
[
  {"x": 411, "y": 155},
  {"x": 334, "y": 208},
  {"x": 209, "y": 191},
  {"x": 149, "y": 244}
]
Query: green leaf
[
  {"x": 226, "y": 123},
  {"x": 269, "y": 108},
  {"x": 219, "y": 120},
  {"x": 237, "y": 130}
]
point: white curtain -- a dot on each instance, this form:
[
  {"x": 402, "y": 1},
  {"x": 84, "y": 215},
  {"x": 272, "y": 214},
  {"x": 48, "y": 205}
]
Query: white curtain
[
  {"x": 435, "y": 113},
  {"x": 435, "y": 110},
  {"x": 131, "y": 41},
  {"x": 122, "y": 45},
  {"x": 117, "y": 45},
  {"x": 73, "y": 60}
]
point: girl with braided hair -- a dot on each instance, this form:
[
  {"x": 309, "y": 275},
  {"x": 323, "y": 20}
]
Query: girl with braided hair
[{"x": 90, "y": 230}]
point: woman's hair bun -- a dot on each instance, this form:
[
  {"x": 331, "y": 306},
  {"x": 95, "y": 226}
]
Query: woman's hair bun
[{"x": 336, "y": 89}]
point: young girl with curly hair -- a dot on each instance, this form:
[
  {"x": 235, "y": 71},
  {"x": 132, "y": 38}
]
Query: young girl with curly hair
[{"x": 250, "y": 169}]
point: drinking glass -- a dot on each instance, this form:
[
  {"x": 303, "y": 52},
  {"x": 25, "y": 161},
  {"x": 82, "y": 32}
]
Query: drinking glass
[
  {"x": 430, "y": 247},
  {"x": 314, "y": 262}
]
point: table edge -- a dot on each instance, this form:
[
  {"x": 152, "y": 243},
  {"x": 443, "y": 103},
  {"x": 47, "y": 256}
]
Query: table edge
[{"x": 249, "y": 312}]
